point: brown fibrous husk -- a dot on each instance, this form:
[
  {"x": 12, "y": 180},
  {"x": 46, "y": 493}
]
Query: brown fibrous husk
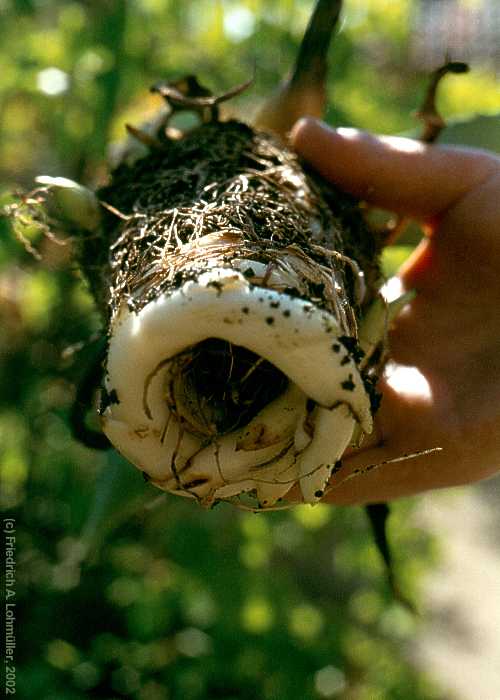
[{"x": 255, "y": 198}]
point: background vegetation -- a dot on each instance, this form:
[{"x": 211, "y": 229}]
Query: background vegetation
[{"x": 119, "y": 594}]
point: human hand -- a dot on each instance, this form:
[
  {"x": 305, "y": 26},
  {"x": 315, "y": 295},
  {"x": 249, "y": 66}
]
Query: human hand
[{"x": 450, "y": 332}]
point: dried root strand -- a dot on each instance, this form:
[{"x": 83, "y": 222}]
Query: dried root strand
[
  {"x": 224, "y": 192},
  {"x": 32, "y": 209},
  {"x": 362, "y": 471}
]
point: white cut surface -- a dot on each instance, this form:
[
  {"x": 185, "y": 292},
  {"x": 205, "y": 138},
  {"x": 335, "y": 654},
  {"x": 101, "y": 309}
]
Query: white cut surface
[{"x": 275, "y": 449}]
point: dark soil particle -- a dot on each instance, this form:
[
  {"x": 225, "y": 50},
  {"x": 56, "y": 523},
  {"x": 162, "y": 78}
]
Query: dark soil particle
[
  {"x": 317, "y": 290},
  {"x": 292, "y": 292},
  {"x": 351, "y": 345},
  {"x": 370, "y": 384},
  {"x": 216, "y": 285},
  {"x": 348, "y": 384},
  {"x": 310, "y": 405},
  {"x": 336, "y": 467},
  {"x": 108, "y": 398},
  {"x": 113, "y": 397}
]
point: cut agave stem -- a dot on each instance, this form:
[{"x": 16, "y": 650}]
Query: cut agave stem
[
  {"x": 178, "y": 434},
  {"x": 240, "y": 295},
  {"x": 236, "y": 286}
]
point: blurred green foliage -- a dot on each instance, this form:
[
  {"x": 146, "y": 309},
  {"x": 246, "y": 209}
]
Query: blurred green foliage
[{"x": 119, "y": 594}]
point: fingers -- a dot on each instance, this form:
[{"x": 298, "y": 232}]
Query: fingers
[
  {"x": 394, "y": 173},
  {"x": 418, "y": 445}
]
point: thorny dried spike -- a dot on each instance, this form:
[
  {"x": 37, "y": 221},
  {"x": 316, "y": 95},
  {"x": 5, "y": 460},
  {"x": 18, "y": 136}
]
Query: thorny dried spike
[
  {"x": 188, "y": 94},
  {"x": 428, "y": 113},
  {"x": 433, "y": 126}
]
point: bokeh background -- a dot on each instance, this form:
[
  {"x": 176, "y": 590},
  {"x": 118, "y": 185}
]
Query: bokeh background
[{"x": 124, "y": 594}]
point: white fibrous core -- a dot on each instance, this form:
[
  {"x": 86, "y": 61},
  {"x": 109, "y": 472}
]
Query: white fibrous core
[{"x": 231, "y": 384}]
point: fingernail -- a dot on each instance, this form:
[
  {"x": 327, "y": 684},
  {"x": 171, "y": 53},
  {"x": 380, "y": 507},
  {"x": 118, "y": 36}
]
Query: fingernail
[{"x": 302, "y": 128}]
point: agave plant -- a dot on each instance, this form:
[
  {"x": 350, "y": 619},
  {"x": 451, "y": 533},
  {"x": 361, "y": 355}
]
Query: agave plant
[
  {"x": 240, "y": 296},
  {"x": 236, "y": 289}
]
